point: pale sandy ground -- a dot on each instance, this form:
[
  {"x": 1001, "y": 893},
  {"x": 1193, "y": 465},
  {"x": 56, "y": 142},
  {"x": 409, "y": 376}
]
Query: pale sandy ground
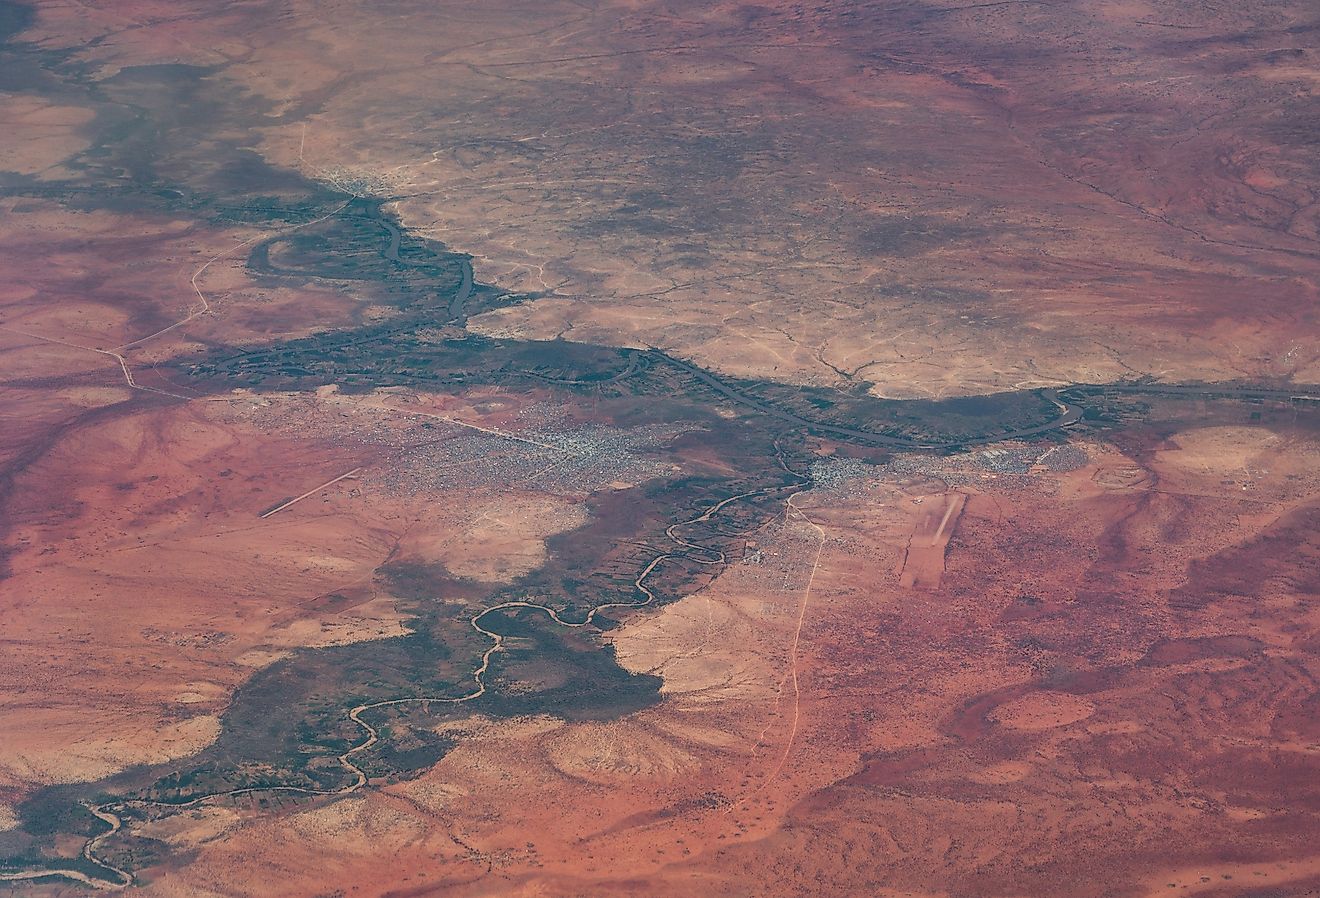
[
  {"x": 787, "y": 197},
  {"x": 38, "y": 136}
]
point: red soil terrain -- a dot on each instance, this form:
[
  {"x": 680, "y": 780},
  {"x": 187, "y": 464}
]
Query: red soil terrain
[
  {"x": 1121, "y": 710},
  {"x": 1096, "y": 679}
]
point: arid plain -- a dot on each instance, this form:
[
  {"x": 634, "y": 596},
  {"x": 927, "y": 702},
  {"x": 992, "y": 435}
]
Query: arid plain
[{"x": 660, "y": 449}]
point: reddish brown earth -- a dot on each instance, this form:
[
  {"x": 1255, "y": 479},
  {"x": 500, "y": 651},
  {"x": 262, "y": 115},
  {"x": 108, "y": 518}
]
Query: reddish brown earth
[
  {"x": 827, "y": 731},
  {"x": 1087, "y": 679}
]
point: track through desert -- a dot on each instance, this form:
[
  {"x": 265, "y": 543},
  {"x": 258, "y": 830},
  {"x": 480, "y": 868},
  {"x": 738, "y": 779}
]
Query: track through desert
[
  {"x": 205, "y": 306},
  {"x": 194, "y": 311},
  {"x": 119, "y": 359},
  {"x": 792, "y": 674}
]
